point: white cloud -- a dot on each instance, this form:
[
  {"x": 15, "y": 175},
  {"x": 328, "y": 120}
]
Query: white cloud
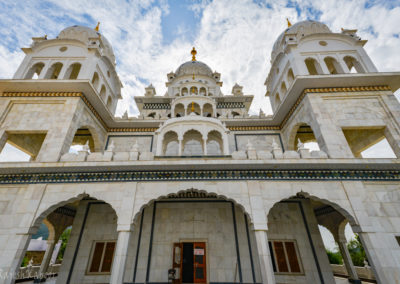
[{"x": 234, "y": 37}]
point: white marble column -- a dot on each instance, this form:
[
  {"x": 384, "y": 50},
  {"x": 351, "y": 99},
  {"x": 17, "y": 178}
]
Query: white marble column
[
  {"x": 351, "y": 270},
  {"x": 120, "y": 256},
  {"x": 180, "y": 150},
  {"x": 47, "y": 258},
  {"x": 264, "y": 256},
  {"x": 204, "y": 146}
]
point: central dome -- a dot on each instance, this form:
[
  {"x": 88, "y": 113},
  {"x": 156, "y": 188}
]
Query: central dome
[{"x": 193, "y": 67}]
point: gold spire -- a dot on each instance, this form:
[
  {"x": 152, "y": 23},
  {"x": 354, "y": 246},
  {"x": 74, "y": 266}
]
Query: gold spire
[
  {"x": 97, "y": 27},
  {"x": 192, "y": 106},
  {"x": 289, "y": 24},
  {"x": 193, "y": 52}
]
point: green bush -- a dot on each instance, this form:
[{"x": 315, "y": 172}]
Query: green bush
[{"x": 334, "y": 257}]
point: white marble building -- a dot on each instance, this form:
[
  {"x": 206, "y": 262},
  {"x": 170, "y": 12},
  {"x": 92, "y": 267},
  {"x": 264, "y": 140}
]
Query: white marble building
[{"x": 196, "y": 184}]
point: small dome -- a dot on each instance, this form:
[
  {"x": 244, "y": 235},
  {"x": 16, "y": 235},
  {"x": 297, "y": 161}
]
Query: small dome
[
  {"x": 193, "y": 67},
  {"x": 300, "y": 30},
  {"x": 83, "y": 34}
]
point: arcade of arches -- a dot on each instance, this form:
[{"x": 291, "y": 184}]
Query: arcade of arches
[{"x": 201, "y": 236}]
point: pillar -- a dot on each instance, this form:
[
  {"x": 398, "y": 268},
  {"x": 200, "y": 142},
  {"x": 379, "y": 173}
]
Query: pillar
[
  {"x": 180, "y": 150},
  {"x": 46, "y": 260},
  {"x": 204, "y": 145},
  {"x": 120, "y": 256},
  {"x": 264, "y": 257},
  {"x": 351, "y": 270}
]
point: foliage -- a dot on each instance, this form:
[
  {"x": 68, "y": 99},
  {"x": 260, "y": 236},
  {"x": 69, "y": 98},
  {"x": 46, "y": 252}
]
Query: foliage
[
  {"x": 357, "y": 251},
  {"x": 334, "y": 257},
  {"x": 64, "y": 240},
  {"x": 25, "y": 261}
]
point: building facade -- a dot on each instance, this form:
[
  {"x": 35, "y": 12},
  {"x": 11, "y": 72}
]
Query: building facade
[{"x": 196, "y": 190}]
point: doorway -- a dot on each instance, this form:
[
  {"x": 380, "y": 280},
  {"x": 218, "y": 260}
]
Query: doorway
[{"x": 193, "y": 262}]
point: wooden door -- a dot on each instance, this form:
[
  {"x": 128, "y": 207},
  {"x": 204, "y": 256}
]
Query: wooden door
[{"x": 199, "y": 263}]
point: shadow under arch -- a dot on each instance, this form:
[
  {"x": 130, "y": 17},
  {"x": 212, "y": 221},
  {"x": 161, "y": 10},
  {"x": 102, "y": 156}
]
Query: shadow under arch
[
  {"x": 53, "y": 216},
  {"x": 305, "y": 195},
  {"x": 43, "y": 214},
  {"x": 331, "y": 215}
]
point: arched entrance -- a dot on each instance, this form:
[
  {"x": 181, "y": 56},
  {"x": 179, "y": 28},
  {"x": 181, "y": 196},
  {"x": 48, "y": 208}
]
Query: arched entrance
[
  {"x": 297, "y": 247},
  {"x": 88, "y": 245},
  {"x": 202, "y": 237}
]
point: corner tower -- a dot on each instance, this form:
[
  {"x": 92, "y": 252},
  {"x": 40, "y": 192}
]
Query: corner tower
[
  {"x": 310, "y": 48},
  {"x": 77, "y": 53}
]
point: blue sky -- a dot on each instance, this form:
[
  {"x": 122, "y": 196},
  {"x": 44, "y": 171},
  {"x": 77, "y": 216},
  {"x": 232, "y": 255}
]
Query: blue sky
[{"x": 153, "y": 37}]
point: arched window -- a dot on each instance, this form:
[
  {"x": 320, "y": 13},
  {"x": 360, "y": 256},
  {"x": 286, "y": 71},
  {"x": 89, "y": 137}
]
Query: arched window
[
  {"x": 193, "y": 107},
  {"x": 214, "y": 143},
  {"x": 34, "y": 71},
  {"x": 194, "y": 91},
  {"x": 203, "y": 91},
  {"x": 103, "y": 92},
  {"x": 109, "y": 102},
  {"x": 283, "y": 89},
  {"x": 235, "y": 114},
  {"x": 73, "y": 71},
  {"x": 95, "y": 80},
  {"x": 353, "y": 65},
  {"x": 153, "y": 115},
  {"x": 81, "y": 137},
  {"x": 170, "y": 144},
  {"x": 277, "y": 100},
  {"x": 306, "y": 135},
  {"x": 184, "y": 91},
  {"x": 179, "y": 110},
  {"x": 193, "y": 143},
  {"x": 332, "y": 65},
  {"x": 207, "y": 110},
  {"x": 290, "y": 76},
  {"x": 54, "y": 71},
  {"x": 313, "y": 66}
]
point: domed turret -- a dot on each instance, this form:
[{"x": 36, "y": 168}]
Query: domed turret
[
  {"x": 311, "y": 48},
  {"x": 85, "y": 35},
  {"x": 76, "y": 53}
]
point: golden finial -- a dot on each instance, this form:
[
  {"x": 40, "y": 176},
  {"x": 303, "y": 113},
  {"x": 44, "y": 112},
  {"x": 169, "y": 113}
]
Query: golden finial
[
  {"x": 97, "y": 27},
  {"x": 289, "y": 24},
  {"x": 192, "y": 106},
  {"x": 193, "y": 52}
]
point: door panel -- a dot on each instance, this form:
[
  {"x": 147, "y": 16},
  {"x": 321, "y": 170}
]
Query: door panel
[
  {"x": 199, "y": 261},
  {"x": 187, "y": 263}
]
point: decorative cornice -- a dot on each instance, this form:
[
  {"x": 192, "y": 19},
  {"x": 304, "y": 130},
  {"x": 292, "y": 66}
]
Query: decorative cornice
[
  {"x": 144, "y": 176},
  {"x": 252, "y": 128},
  {"x": 220, "y": 105},
  {"x": 138, "y": 129},
  {"x": 348, "y": 89},
  {"x": 230, "y": 105},
  {"x": 156, "y": 106}
]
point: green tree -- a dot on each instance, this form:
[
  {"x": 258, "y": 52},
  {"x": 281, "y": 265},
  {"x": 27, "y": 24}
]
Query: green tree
[
  {"x": 356, "y": 251},
  {"x": 64, "y": 240},
  {"x": 334, "y": 257}
]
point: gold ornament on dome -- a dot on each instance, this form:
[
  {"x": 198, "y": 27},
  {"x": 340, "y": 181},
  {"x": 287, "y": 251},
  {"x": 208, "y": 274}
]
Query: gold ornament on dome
[{"x": 193, "y": 52}]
